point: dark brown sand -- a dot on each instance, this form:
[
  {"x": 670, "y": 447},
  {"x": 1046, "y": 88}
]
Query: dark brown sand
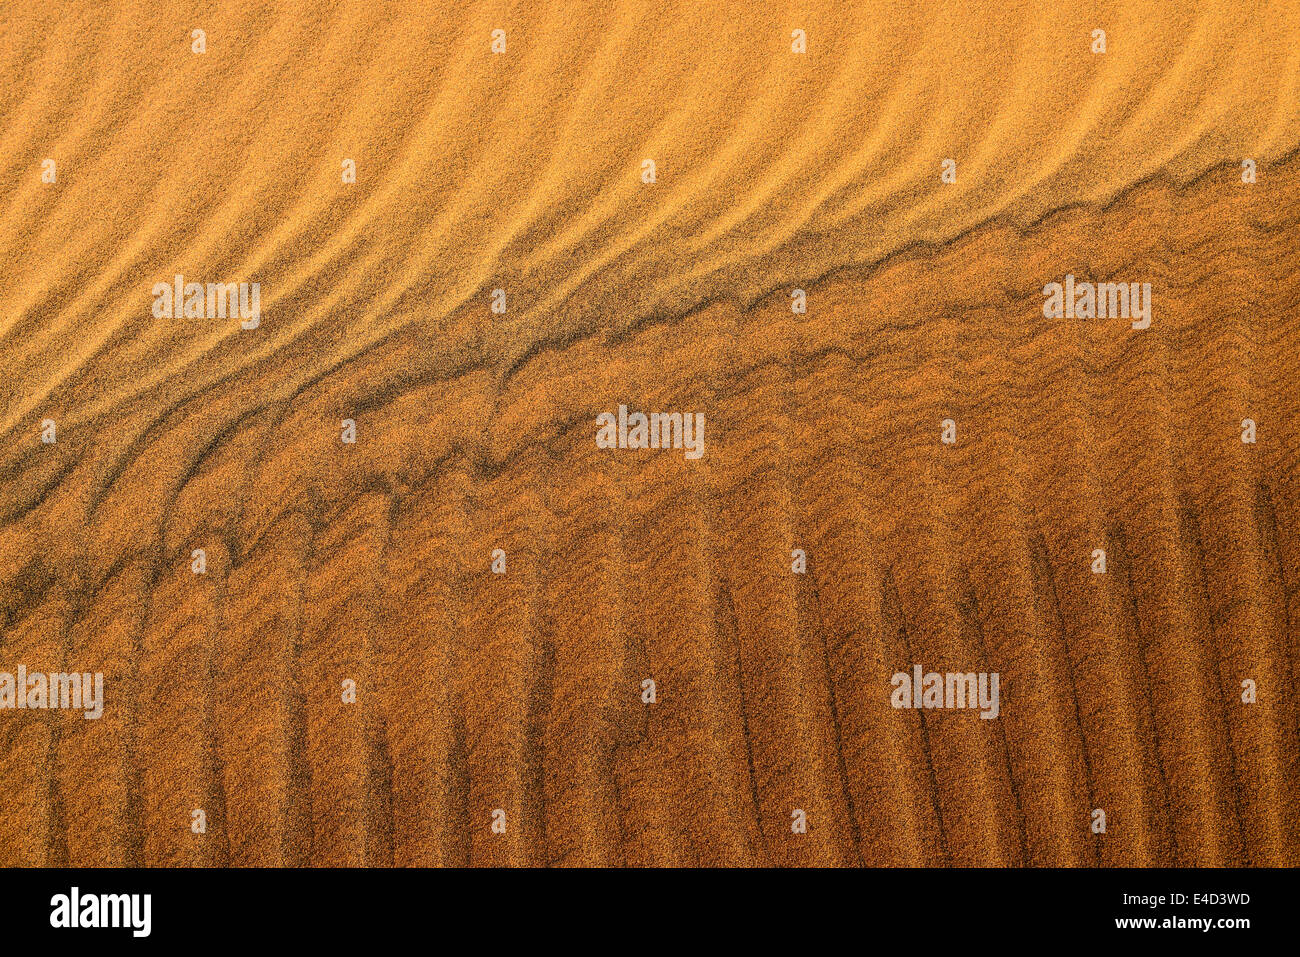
[{"x": 521, "y": 691}]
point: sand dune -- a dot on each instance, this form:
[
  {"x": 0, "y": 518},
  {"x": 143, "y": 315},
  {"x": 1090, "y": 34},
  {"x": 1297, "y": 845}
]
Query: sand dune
[{"x": 522, "y": 691}]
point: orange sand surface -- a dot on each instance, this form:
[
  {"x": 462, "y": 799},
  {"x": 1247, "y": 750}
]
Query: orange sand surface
[{"x": 522, "y": 691}]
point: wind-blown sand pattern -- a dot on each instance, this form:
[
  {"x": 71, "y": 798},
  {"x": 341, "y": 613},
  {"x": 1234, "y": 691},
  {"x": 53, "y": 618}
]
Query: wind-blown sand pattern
[{"x": 522, "y": 691}]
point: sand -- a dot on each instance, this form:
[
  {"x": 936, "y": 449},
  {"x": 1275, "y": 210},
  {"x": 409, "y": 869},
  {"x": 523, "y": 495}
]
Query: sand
[{"x": 522, "y": 691}]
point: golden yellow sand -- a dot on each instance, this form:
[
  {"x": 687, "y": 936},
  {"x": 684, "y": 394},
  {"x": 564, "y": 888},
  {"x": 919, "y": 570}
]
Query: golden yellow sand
[{"x": 523, "y": 171}]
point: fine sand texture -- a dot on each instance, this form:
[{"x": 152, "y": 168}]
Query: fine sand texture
[{"x": 827, "y": 539}]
